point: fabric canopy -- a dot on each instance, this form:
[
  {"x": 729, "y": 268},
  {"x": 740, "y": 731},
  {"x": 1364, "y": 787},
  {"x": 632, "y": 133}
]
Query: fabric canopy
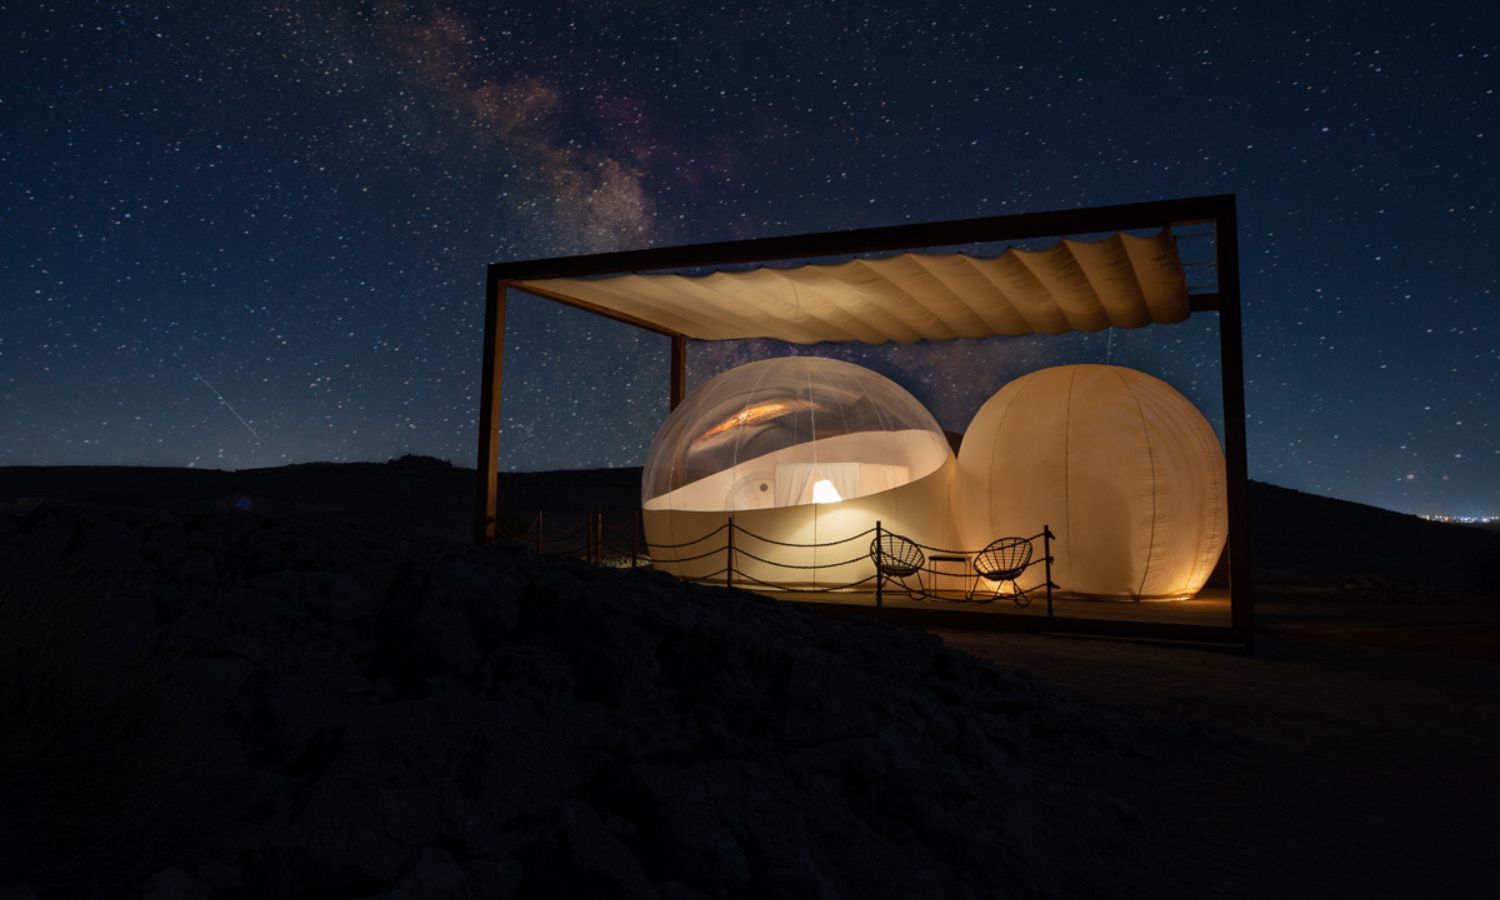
[{"x": 1122, "y": 281}]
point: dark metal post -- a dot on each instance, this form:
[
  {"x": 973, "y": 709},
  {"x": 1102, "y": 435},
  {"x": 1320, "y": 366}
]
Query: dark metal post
[
  {"x": 679, "y": 370},
  {"x": 1232, "y": 370},
  {"x": 879, "y": 578},
  {"x": 729, "y": 556},
  {"x": 539, "y": 522},
  {"x": 485, "y": 511}
]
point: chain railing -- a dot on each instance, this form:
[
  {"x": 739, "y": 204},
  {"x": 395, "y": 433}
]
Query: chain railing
[{"x": 624, "y": 545}]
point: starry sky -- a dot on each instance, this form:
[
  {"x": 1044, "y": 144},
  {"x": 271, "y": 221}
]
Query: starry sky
[{"x": 241, "y": 235}]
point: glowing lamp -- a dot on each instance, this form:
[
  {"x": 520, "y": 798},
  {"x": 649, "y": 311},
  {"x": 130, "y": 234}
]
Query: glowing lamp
[{"x": 824, "y": 492}]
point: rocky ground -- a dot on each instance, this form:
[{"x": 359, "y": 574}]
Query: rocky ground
[
  {"x": 1365, "y": 770},
  {"x": 331, "y": 694},
  {"x": 340, "y": 712}
]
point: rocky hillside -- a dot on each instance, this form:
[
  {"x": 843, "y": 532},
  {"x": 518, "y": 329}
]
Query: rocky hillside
[
  {"x": 1305, "y": 546},
  {"x": 202, "y": 702},
  {"x": 1320, "y": 542}
]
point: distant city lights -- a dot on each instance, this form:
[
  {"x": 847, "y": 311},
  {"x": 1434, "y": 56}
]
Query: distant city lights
[{"x": 1462, "y": 520}]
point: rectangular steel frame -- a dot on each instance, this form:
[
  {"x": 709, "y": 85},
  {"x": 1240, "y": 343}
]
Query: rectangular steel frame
[{"x": 1220, "y": 211}]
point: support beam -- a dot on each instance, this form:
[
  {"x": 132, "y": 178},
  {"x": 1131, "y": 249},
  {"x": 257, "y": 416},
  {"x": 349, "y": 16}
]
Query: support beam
[
  {"x": 1025, "y": 226},
  {"x": 679, "y": 370},
  {"x": 485, "y": 496},
  {"x": 1232, "y": 371},
  {"x": 1203, "y": 302}
]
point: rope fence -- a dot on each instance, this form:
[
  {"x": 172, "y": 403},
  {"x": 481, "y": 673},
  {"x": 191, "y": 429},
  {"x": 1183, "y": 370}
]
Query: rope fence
[
  {"x": 624, "y": 545},
  {"x": 863, "y": 557},
  {"x": 761, "y": 537}
]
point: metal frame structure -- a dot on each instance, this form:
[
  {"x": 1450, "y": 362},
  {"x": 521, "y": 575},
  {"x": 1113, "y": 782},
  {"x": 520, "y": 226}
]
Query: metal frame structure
[{"x": 1220, "y": 211}]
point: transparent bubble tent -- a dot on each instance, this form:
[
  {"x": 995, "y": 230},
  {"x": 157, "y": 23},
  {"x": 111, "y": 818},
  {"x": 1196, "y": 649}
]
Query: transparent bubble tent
[
  {"x": 790, "y": 432},
  {"x": 799, "y": 450}
]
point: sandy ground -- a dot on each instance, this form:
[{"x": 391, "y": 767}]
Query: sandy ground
[{"x": 1359, "y": 770}]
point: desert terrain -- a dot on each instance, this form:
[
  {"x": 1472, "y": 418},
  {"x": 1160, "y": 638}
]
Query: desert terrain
[{"x": 304, "y": 682}]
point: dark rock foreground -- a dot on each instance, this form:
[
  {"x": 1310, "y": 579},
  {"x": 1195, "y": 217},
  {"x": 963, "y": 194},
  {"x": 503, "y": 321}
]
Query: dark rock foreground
[{"x": 345, "y": 713}]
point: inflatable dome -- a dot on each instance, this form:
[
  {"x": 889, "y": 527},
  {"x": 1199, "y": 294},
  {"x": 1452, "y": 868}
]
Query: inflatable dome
[
  {"x": 1125, "y": 470},
  {"x": 801, "y": 450}
]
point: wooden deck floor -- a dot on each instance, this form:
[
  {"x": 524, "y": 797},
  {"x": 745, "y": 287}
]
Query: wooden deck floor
[{"x": 1209, "y": 609}]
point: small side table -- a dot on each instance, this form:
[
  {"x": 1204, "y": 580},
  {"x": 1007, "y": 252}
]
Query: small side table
[{"x": 962, "y": 574}]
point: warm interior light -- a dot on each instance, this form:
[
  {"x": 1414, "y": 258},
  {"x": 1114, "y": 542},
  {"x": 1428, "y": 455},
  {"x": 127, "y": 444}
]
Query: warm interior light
[{"x": 823, "y": 492}]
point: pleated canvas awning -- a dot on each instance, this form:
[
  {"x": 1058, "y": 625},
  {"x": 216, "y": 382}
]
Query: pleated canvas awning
[{"x": 1122, "y": 281}]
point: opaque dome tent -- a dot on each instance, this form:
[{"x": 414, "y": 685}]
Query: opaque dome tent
[
  {"x": 802, "y": 450},
  {"x": 1125, "y": 470}
]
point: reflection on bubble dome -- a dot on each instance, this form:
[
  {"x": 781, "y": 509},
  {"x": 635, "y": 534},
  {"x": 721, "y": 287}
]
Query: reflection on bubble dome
[{"x": 788, "y": 432}]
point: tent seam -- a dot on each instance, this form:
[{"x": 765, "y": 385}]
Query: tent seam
[
  {"x": 1151, "y": 460},
  {"x": 734, "y": 466},
  {"x": 995, "y": 448},
  {"x": 1067, "y": 461},
  {"x": 812, "y": 417}
]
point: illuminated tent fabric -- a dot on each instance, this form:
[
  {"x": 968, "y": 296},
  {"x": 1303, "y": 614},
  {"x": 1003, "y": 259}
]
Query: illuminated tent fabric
[
  {"x": 802, "y": 450},
  {"x": 1122, "y": 281},
  {"x": 1125, "y": 470}
]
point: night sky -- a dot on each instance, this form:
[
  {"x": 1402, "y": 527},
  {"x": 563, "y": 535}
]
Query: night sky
[{"x": 240, "y": 235}]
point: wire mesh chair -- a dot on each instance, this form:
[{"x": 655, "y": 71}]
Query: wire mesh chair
[
  {"x": 1003, "y": 560},
  {"x": 899, "y": 558}
]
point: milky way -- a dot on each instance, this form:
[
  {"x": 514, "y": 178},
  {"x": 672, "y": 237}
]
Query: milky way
[{"x": 294, "y": 203}]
